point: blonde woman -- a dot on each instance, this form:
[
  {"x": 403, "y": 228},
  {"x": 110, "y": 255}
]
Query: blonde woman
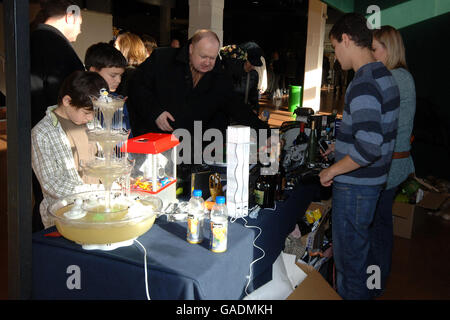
[
  {"x": 388, "y": 48},
  {"x": 132, "y": 48}
]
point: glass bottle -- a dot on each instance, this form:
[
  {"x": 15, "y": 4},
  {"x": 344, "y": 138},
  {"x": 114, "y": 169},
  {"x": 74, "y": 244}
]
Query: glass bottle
[
  {"x": 265, "y": 189},
  {"x": 302, "y": 137},
  {"x": 312, "y": 146}
]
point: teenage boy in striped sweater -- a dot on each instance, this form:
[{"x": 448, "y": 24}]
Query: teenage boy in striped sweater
[{"x": 363, "y": 153}]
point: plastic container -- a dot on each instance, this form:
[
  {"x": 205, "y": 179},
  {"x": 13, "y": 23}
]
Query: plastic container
[
  {"x": 295, "y": 97},
  {"x": 219, "y": 226},
  {"x": 155, "y": 165},
  {"x": 83, "y": 219},
  {"x": 196, "y": 218}
]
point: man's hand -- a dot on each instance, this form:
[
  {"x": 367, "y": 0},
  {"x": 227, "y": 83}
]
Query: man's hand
[
  {"x": 326, "y": 177},
  {"x": 329, "y": 150},
  {"x": 343, "y": 166},
  {"x": 163, "y": 123}
]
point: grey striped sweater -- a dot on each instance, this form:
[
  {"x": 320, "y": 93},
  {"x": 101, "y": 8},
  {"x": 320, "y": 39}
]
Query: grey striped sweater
[{"x": 369, "y": 125}]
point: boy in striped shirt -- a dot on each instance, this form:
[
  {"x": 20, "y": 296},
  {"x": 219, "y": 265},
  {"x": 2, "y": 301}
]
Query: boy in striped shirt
[
  {"x": 59, "y": 141},
  {"x": 363, "y": 153}
]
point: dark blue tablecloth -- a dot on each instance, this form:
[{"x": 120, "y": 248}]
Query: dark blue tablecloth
[{"x": 176, "y": 269}]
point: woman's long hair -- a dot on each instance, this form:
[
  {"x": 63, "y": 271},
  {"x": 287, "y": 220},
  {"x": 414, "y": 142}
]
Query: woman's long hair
[
  {"x": 132, "y": 48},
  {"x": 392, "y": 41}
]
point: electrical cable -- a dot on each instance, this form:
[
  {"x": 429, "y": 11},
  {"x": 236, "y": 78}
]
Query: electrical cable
[
  {"x": 256, "y": 260},
  {"x": 240, "y": 215},
  {"x": 145, "y": 269},
  {"x": 272, "y": 209}
]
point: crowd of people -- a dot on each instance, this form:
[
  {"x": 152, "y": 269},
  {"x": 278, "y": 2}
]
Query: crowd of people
[
  {"x": 169, "y": 88},
  {"x": 166, "y": 88}
]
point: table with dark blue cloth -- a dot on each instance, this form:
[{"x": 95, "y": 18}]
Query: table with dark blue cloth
[{"x": 176, "y": 268}]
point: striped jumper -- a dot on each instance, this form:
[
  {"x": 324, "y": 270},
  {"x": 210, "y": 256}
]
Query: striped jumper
[{"x": 369, "y": 125}]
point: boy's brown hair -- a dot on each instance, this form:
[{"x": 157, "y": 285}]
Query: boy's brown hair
[
  {"x": 80, "y": 86},
  {"x": 104, "y": 55},
  {"x": 355, "y": 26}
]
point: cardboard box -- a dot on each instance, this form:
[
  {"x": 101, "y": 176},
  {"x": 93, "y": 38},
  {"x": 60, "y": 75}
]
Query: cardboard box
[
  {"x": 324, "y": 206},
  {"x": 433, "y": 200},
  {"x": 407, "y": 218},
  {"x": 313, "y": 240},
  {"x": 313, "y": 287}
]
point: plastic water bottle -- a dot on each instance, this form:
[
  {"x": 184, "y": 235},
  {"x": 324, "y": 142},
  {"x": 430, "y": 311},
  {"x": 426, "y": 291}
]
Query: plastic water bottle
[
  {"x": 219, "y": 226},
  {"x": 196, "y": 217}
]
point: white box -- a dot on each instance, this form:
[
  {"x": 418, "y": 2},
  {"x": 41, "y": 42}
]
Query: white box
[{"x": 238, "y": 161}]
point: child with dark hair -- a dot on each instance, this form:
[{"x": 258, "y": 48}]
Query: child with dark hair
[
  {"x": 106, "y": 60},
  {"x": 354, "y": 26},
  {"x": 59, "y": 141},
  {"x": 110, "y": 63},
  {"x": 363, "y": 152}
]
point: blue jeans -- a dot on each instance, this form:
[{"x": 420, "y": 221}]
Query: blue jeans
[
  {"x": 381, "y": 236},
  {"x": 353, "y": 212}
]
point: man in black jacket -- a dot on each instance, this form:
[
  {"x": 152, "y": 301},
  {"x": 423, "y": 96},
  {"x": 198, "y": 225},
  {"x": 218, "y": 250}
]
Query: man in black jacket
[
  {"x": 52, "y": 59},
  {"x": 52, "y": 55},
  {"x": 175, "y": 87}
]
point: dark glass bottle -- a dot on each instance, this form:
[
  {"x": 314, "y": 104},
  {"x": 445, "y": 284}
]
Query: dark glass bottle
[
  {"x": 280, "y": 178},
  {"x": 277, "y": 179},
  {"x": 302, "y": 137},
  {"x": 265, "y": 189},
  {"x": 312, "y": 146}
]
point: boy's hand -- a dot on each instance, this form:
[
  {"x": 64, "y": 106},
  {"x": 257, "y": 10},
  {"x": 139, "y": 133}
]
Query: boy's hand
[
  {"x": 163, "y": 123},
  {"x": 329, "y": 150},
  {"x": 326, "y": 177},
  {"x": 346, "y": 164}
]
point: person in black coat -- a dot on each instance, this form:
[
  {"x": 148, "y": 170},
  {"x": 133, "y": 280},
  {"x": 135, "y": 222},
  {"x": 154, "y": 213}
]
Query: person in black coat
[
  {"x": 52, "y": 55},
  {"x": 175, "y": 87},
  {"x": 240, "y": 62},
  {"x": 52, "y": 59}
]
